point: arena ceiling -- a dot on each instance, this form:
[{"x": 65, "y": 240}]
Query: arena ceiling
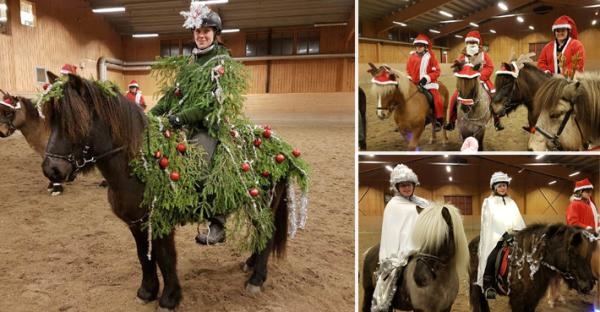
[
  {"x": 162, "y": 17},
  {"x": 423, "y": 15},
  {"x": 432, "y": 168}
]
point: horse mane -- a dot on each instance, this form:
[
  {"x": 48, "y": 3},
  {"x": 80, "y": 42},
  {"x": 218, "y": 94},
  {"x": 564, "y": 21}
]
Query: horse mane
[
  {"x": 431, "y": 231},
  {"x": 586, "y": 108},
  {"x": 31, "y": 110},
  {"x": 534, "y": 77},
  {"x": 550, "y": 92},
  {"x": 82, "y": 100}
]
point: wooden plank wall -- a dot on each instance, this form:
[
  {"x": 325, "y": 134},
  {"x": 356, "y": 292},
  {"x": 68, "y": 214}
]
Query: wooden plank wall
[{"x": 65, "y": 31}]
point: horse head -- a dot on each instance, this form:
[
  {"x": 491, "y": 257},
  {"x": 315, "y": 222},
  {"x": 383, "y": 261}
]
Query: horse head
[
  {"x": 573, "y": 260},
  {"x": 384, "y": 85},
  {"x": 12, "y": 116},
  {"x": 467, "y": 82},
  {"x": 86, "y": 125},
  {"x": 506, "y": 85}
]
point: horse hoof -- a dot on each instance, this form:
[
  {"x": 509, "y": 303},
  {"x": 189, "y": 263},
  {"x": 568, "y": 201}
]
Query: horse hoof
[
  {"x": 551, "y": 303},
  {"x": 142, "y": 301},
  {"x": 161, "y": 309},
  {"x": 252, "y": 290},
  {"x": 55, "y": 193}
]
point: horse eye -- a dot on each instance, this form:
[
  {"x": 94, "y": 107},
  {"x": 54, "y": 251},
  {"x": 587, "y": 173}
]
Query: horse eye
[{"x": 555, "y": 115}]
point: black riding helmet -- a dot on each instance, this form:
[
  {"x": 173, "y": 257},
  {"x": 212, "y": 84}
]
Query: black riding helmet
[{"x": 213, "y": 20}]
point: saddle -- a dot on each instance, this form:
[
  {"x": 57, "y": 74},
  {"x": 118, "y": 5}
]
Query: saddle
[
  {"x": 429, "y": 98},
  {"x": 496, "y": 271}
]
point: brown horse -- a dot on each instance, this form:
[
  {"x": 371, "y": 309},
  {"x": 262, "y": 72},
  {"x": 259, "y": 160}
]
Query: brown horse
[
  {"x": 24, "y": 116},
  {"x": 570, "y": 115},
  {"x": 473, "y": 111},
  {"x": 539, "y": 254},
  {"x": 430, "y": 281},
  {"x": 92, "y": 129},
  {"x": 513, "y": 91},
  {"x": 409, "y": 105}
]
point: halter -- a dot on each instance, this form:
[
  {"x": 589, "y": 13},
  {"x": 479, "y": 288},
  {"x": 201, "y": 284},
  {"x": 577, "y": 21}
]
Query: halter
[
  {"x": 554, "y": 139},
  {"x": 79, "y": 164},
  {"x": 508, "y": 103}
]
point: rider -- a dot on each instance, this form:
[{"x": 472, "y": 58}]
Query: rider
[
  {"x": 135, "y": 94},
  {"x": 564, "y": 48},
  {"x": 473, "y": 47},
  {"x": 499, "y": 214},
  {"x": 399, "y": 218},
  {"x": 205, "y": 25},
  {"x": 424, "y": 70}
]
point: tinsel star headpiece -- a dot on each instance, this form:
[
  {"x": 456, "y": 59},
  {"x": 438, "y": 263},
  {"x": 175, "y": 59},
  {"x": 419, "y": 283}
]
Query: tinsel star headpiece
[{"x": 196, "y": 16}]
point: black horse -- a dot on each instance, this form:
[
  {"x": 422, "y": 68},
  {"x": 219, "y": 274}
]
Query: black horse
[
  {"x": 90, "y": 128},
  {"x": 540, "y": 253},
  {"x": 362, "y": 119}
]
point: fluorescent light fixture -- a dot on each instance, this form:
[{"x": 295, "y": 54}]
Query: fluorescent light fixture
[
  {"x": 450, "y": 179},
  {"x": 434, "y": 31},
  {"x": 445, "y": 155},
  {"x": 552, "y": 182},
  {"x": 458, "y": 36},
  {"x": 531, "y": 27},
  {"x": 502, "y": 6},
  {"x": 520, "y": 19},
  {"x": 109, "y": 10},
  {"x": 575, "y": 173},
  {"x": 230, "y": 30},
  {"x": 505, "y": 15},
  {"x": 3, "y": 6},
  {"x": 448, "y": 169},
  {"x": 371, "y": 155},
  {"x": 492, "y": 31},
  {"x": 331, "y": 24},
  {"x": 592, "y": 6},
  {"x": 214, "y": 1},
  {"x": 451, "y": 21},
  {"x": 388, "y": 167},
  {"x": 521, "y": 170},
  {"x": 473, "y": 24},
  {"x": 144, "y": 35},
  {"x": 594, "y": 22},
  {"x": 400, "y": 23},
  {"x": 446, "y": 13},
  {"x": 540, "y": 156},
  {"x": 3, "y": 19}
]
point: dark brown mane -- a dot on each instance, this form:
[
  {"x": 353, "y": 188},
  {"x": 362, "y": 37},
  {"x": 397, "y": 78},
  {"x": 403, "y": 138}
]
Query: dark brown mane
[
  {"x": 82, "y": 100},
  {"x": 531, "y": 78},
  {"x": 550, "y": 92},
  {"x": 31, "y": 110}
]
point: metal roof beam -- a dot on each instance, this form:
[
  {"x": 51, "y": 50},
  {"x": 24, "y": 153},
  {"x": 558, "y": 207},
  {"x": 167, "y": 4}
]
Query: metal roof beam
[{"x": 408, "y": 13}]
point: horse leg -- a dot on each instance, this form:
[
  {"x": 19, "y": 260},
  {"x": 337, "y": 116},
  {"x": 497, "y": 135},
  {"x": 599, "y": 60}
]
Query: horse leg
[
  {"x": 148, "y": 291},
  {"x": 166, "y": 257},
  {"x": 249, "y": 263},
  {"x": 476, "y": 298},
  {"x": 55, "y": 188},
  {"x": 368, "y": 283}
]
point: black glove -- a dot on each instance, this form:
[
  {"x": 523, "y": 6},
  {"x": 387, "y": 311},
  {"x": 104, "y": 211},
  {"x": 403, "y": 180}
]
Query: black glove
[
  {"x": 423, "y": 81},
  {"x": 175, "y": 122}
]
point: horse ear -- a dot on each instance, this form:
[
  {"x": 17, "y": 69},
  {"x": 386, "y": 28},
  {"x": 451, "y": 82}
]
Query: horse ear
[
  {"x": 373, "y": 69},
  {"x": 446, "y": 215},
  {"x": 75, "y": 81},
  {"x": 477, "y": 67},
  {"x": 457, "y": 66},
  {"x": 576, "y": 239},
  {"x": 51, "y": 76}
]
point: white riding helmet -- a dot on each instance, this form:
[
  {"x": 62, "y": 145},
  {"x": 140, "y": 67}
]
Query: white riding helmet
[
  {"x": 498, "y": 177},
  {"x": 403, "y": 174}
]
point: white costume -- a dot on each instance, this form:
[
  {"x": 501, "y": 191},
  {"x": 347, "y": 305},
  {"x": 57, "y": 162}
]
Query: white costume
[{"x": 499, "y": 214}]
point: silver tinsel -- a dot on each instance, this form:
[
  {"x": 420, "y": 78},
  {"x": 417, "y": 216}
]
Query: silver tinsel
[{"x": 297, "y": 216}]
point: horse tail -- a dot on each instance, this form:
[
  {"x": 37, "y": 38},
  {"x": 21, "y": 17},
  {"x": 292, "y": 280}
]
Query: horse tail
[
  {"x": 369, "y": 266},
  {"x": 477, "y": 301},
  {"x": 281, "y": 218}
]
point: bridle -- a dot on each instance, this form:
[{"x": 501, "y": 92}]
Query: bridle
[
  {"x": 508, "y": 104},
  {"x": 85, "y": 160},
  {"x": 554, "y": 138},
  {"x": 9, "y": 119}
]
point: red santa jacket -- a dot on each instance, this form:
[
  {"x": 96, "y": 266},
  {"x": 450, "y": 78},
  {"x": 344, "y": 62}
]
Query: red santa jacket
[
  {"x": 487, "y": 67},
  {"x": 580, "y": 213},
  {"x": 547, "y": 60},
  {"x": 137, "y": 98},
  {"x": 419, "y": 66}
]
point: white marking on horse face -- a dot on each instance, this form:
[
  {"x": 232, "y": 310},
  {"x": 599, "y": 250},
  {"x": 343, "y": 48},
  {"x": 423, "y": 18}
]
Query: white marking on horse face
[
  {"x": 381, "y": 112},
  {"x": 537, "y": 142}
]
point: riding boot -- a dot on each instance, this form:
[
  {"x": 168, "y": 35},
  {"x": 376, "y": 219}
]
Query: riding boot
[
  {"x": 451, "y": 123},
  {"x": 437, "y": 125},
  {"x": 216, "y": 232}
]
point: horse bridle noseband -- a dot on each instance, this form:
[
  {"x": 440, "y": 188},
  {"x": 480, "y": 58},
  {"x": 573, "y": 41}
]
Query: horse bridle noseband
[
  {"x": 79, "y": 164},
  {"x": 508, "y": 103},
  {"x": 554, "y": 139}
]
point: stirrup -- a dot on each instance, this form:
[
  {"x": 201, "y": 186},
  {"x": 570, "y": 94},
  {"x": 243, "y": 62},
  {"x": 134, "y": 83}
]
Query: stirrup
[{"x": 490, "y": 293}]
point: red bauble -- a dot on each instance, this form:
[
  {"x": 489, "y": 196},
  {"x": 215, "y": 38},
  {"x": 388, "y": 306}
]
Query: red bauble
[
  {"x": 174, "y": 176},
  {"x": 245, "y": 167},
  {"x": 267, "y": 133},
  {"x": 296, "y": 152},
  {"x": 167, "y": 134},
  {"x": 221, "y": 70},
  {"x": 279, "y": 158},
  {"x": 265, "y": 173},
  {"x": 234, "y": 133},
  {"x": 181, "y": 148},
  {"x": 178, "y": 93},
  {"x": 157, "y": 154},
  {"x": 46, "y": 86},
  {"x": 163, "y": 162},
  {"x": 257, "y": 142},
  {"x": 253, "y": 192}
]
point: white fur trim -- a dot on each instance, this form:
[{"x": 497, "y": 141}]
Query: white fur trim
[
  {"x": 424, "y": 64},
  {"x": 564, "y": 49},
  {"x": 427, "y": 78},
  {"x": 506, "y": 72},
  {"x": 561, "y": 26},
  {"x": 471, "y": 39},
  {"x": 421, "y": 41},
  {"x": 434, "y": 85},
  {"x": 65, "y": 72},
  {"x": 389, "y": 82},
  {"x": 591, "y": 187},
  {"x": 18, "y": 106},
  {"x": 467, "y": 76},
  {"x": 465, "y": 101}
]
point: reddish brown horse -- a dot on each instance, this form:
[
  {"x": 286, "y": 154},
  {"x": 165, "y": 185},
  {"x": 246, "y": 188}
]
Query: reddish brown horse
[{"x": 409, "y": 105}]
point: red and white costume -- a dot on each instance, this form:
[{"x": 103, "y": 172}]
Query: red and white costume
[
  {"x": 136, "y": 96},
  {"x": 548, "y": 60},
  {"x": 426, "y": 66},
  {"x": 583, "y": 212},
  {"x": 68, "y": 69},
  {"x": 486, "y": 70}
]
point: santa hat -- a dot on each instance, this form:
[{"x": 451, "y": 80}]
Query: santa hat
[
  {"x": 583, "y": 185},
  {"x": 133, "y": 83},
  {"x": 423, "y": 39},
  {"x": 384, "y": 77},
  {"x": 8, "y": 102},
  {"x": 474, "y": 35},
  {"x": 566, "y": 22},
  {"x": 507, "y": 69},
  {"x": 68, "y": 69},
  {"x": 467, "y": 72},
  {"x": 470, "y": 145}
]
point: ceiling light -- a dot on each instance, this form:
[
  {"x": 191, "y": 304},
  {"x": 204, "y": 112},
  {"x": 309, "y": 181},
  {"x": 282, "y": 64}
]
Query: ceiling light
[
  {"x": 492, "y": 31},
  {"x": 552, "y": 182},
  {"x": 520, "y": 19},
  {"x": 331, "y": 24},
  {"x": 400, "y": 23},
  {"x": 109, "y": 10},
  {"x": 230, "y": 30},
  {"x": 473, "y": 24},
  {"x": 502, "y": 6},
  {"x": 451, "y": 21},
  {"x": 371, "y": 155},
  {"x": 3, "y": 7},
  {"x": 575, "y": 173},
  {"x": 592, "y": 6},
  {"x": 448, "y": 169},
  {"x": 388, "y": 167},
  {"x": 540, "y": 156},
  {"x": 446, "y": 155},
  {"x": 144, "y": 35},
  {"x": 594, "y": 22},
  {"x": 458, "y": 36},
  {"x": 214, "y": 1},
  {"x": 446, "y": 13},
  {"x": 521, "y": 170},
  {"x": 505, "y": 15},
  {"x": 531, "y": 27},
  {"x": 450, "y": 179},
  {"x": 434, "y": 31}
]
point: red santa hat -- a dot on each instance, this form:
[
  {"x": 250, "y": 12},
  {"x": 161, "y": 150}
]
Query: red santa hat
[
  {"x": 8, "y": 102},
  {"x": 507, "y": 69},
  {"x": 423, "y": 39},
  {"x": 133, "y": 83},
  {"x": 583, "y": 185},
  {"x": 384, "y": 77},
  {"x": 474, "y": 35},
  {"x": 68, "y": 69},
  {"x": 467, "y": 72},
  {"x": 566, "y": 22}
]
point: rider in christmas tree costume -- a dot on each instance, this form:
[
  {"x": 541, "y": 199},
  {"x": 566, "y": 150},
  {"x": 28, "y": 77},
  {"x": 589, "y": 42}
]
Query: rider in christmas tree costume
[{"x": 203, "y": 95}]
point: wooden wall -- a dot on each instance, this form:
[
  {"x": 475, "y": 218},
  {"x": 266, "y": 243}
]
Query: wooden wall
[{"x": 66, "y": 31}]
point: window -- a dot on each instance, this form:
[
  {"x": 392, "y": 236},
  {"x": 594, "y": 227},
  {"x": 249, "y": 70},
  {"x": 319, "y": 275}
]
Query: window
[
  {"x": 308, "y": 42},
  {"x": 463, "y": 203},
  {"x": 256, "y": 44},
  {"x": 282, "y": 43},
  {"x": 3, "y": 17},
  {"x": 27, "y": 13},
  {"x": 169, "y": 47},
  {"x": 537, "y": 48},
  {"x": 40, "y": 74}
]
